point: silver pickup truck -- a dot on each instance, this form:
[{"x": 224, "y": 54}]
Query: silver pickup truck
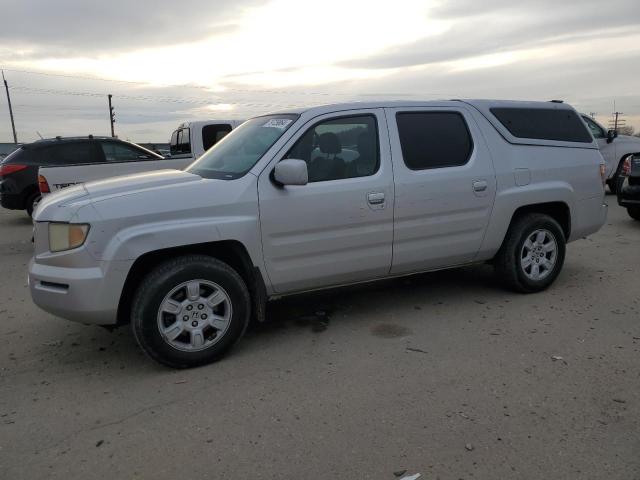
[{"x": 317, "y": 198}]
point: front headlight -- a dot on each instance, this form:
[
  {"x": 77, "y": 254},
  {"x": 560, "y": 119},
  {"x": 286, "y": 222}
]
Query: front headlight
[{"x": 65, "y": 236}]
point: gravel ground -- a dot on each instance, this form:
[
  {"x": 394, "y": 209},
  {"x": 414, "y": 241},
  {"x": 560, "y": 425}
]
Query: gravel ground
[{"x": 443, "y": 374}]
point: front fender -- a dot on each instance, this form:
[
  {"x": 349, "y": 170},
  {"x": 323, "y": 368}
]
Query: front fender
[{"x": 136, "y": 240}]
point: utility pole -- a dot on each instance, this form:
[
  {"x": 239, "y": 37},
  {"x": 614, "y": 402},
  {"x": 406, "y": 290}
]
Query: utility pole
[
  {"x": 112, "y": 116},
  {"x": 616, "y": 122},
  {"x": 13, "y": 125}
]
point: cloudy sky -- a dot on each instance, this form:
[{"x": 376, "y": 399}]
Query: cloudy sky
[{"x": 194, "y": 59}]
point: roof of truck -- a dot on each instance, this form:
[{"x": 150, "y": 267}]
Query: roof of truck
[
  {"x": 484, "y": 107},
  {"x": 480, "y": 104}
]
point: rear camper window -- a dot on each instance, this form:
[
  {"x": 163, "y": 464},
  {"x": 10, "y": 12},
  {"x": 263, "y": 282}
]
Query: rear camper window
[
  {"x": 543, "y": 124},
  {"x": 212, "y": 134}
]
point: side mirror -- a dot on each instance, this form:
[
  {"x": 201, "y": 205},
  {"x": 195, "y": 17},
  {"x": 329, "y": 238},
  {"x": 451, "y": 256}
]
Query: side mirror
[
  {"x": 611, "y": 134},
  {"x": 291, "y": 172}
]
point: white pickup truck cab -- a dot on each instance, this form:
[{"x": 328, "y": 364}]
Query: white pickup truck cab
[
  {"x": 317, "y": 198},
  {"x": 614, "y": 148},
  {"x": 112, "y": 157},
  {"x": 192, "y": 139}
]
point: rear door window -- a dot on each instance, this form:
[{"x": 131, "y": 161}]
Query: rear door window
[
  {"x": 543, "y": 124},
  {"x": 212, "y": 134},
  {"x": 120, "y": 152},
  {"x": 434, "y": 139}
]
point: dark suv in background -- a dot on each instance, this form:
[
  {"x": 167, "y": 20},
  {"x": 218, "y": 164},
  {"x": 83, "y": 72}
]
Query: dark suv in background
[{"x": 19, "y": 170}]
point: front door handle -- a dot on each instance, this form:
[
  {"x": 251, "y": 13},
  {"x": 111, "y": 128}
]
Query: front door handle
[
  {"x": 480, "y": 186},
  {"x": 376, "y": 198}
]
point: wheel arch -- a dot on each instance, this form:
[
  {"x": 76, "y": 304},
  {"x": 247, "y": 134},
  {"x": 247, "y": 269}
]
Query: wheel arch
[
  {"x": 559, "y": 211},
  {"x": 231, "y": 252}
]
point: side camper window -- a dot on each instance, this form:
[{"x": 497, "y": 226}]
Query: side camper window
[{"x": 543, "y": 124}]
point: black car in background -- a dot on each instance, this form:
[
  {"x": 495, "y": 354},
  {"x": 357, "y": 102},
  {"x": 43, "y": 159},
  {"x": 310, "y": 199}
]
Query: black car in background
[
  {"x": 629, "y": 186},
  {"x": 19, "y": 170}
]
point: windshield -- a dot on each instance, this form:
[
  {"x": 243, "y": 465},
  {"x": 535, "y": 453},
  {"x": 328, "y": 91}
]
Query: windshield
[{"x": 239, "y": 151}]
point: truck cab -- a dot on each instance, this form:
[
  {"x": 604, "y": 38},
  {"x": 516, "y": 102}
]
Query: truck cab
[{"x": 192, "y": 139}]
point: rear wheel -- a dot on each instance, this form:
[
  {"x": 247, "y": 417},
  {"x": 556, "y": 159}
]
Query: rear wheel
[
  {"x": 532, "y": 254},
  {"x": 189, "y": 311},
  {"x": 634, "y": 212},
  {"x": 32, "y": 203}
]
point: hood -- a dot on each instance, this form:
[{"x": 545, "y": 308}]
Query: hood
[
  {"x": 131, "y": 184},
  {"x": 61, "y": 198},
  {"x": 64, "y": 205}
]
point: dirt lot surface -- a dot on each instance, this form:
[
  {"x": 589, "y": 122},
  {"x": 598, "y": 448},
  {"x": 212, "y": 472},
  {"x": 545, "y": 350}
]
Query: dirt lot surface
[{"x": 443, "y": 374}]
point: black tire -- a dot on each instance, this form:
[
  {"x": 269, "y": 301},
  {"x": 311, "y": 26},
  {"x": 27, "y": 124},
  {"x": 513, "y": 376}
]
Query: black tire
[
  {"x": 634, "y": 212},
  {"x": 160, "y": 281},
  {"x": 507, "y": 262},
  {"x": 32, "y": 201}
]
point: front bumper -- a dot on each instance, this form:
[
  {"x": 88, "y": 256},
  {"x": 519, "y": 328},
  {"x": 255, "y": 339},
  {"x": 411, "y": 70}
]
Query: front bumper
[
  {"x": 628, "y": 195},
  {"x": 88, "y": 295}
]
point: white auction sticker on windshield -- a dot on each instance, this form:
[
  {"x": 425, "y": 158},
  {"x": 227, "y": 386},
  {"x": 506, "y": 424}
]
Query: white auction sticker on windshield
[{"x": 278, "y": 123}]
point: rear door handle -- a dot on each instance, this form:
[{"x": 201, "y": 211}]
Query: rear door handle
[
  {"x": 480, "y": 185},
  {"x": 375, "y": 198}
]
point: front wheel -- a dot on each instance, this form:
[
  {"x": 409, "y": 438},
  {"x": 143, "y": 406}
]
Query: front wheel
[
  {"x": 532, "y": 254},
  {"x": 189, "y": 311},
  {"x": 634, "y": 212}
]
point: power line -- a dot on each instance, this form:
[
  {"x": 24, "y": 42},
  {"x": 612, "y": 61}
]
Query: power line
[
  {"x": 233, "y": 90},
  {"x": 177, "y": 100}
]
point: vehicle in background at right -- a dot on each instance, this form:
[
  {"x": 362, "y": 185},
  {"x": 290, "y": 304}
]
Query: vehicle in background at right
[
  {"x": 614, "y": 149},
  {"x": 629, "y": 186}
]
